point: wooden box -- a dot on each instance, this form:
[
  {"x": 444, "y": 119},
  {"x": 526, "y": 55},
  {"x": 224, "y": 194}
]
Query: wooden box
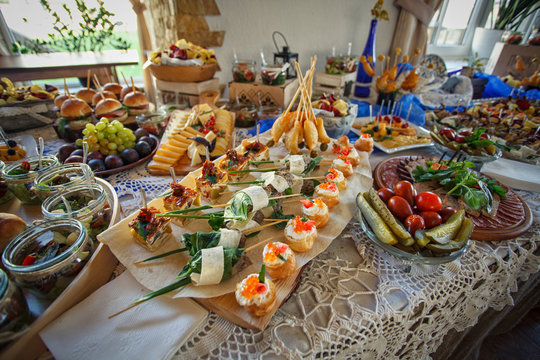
[
  {"x": 503, "y": 60},
  {"x": 173, "y": 92},
  {"x": 21, "y": 116},
  {"x": 330, "y": 83},
  {"x": 269, "y": 95}
]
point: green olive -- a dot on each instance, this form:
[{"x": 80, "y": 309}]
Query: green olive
[
  {"x": 313, "y": 154},
  {"x": 301, "y": 145},
  {"x": 324, "y": 146},
  {"x": 270, "y": 143}
]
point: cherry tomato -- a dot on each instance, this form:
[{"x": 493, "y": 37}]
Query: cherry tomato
[
  {"x": 465, "y": 133},
  {"x": 484, "y": 136},
  {"x": 399, "y": 207},
  {"x": 428, "y": 201},
  {"x": 385, "y": 194},
  {"x": 450, "y": 134},
  {"x": 431, "y": 218},
  {"x": 460, "y": 139},
  {"x": 406, "y": 190},
  {"x": 446, "y": 212},
  {"x": 414, "y": 222}
]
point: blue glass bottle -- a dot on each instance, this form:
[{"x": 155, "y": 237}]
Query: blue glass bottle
[{"x": 363, "y": 80}]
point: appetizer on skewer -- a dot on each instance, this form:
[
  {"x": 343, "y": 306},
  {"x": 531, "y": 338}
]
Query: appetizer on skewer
[
  {"x": 148, "y": 229},
  {"x": 337, "y": 178},
  {"x": 181, "y": 198},
  {"x": 344, "y": 148},
  {"x": 364, "y": 143},
  {"x": 255, "y": 150},
  {"x": 279, "y": 260},
  {"x": 256, "y": 293},
  {"x": 317, "y": 211},
  {"x": 300, "y": 233},
  {"x": 210, "y": 184},
  {"x": 344, "y": 165},
  {"x": 233, "y": 161},
  {"x": 329, "y": 193}
]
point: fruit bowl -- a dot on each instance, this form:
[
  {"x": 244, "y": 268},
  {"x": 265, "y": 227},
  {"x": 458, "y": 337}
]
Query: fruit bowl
[
  {"x": 183, "y": 73},
  {"x": 337, "y": 126}
]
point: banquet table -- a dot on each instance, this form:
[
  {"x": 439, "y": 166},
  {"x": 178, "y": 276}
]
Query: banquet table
[{"x": 357, "y": 301}]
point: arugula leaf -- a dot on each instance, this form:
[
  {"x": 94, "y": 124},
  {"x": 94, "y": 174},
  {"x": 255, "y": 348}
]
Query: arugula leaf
[{"x": 312, "y": 165}]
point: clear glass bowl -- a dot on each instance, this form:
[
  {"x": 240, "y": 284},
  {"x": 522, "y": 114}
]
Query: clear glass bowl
[
  {"x": 409, "y": 257},
  {"x": 274, "y": 74},
  {"x": 90, "y": 206},
  {"x": 49, "y": 278},
  {"x": 21, "y": 184},
  {"x": 337, "y": 126},
  {"x": 59, "y": 178},
  {"x": 247, "y": 115},
  {"x": 244, "y": 71},
  {"x": 154, "y": 123},
  {"x": 14, "y": 314},
  {"x": 341, "y": 64},
  {"x": 5, "y": 194}
]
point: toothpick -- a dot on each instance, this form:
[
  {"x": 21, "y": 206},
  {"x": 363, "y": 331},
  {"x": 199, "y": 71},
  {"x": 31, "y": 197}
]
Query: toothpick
[
  {"x": 370, "y": 113},
  {"x": 258, "y": 130},
  {"x": 309, "y": 178},
  {"x": 125, "y": 81},
  {"x": 257, "y": 244},
  {"x": 207, "y": 153},
  {"x": 98, "y": 84},
  {"x": 132, "y": 84},
  {"x": 88, "y": 79},
  {"x": 173, "y": 174},
  {"x": 234, "y": 140},
  {"x": 260, "y": 227},
  {"x": 66, "y": 89},
  {"x": 143, "y": 196},
  {"x": 408, "y": 113}
]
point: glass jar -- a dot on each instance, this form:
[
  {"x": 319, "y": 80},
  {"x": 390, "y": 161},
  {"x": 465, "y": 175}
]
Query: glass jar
[
  {"x": 269, "y": 111},
  {"x": 14, "y": 314},
  {"x": 274, "y": 74},
  {"x": 244, "y": 71},
  {"x": 5, "y": 194},
  {"x": 21, "y": 183},
  {"x": 246, "y": 115},
  {"x": 59, "y": 178},
  {"x": 154, "y": 123},
  {"x": 341, "y": 64},
  {"x": 88, "y": 205},
  {"x": 60, "y": 249}
]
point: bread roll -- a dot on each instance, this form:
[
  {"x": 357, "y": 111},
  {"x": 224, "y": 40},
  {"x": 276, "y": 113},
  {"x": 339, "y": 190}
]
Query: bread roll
[{"x": 10, "y": 226}]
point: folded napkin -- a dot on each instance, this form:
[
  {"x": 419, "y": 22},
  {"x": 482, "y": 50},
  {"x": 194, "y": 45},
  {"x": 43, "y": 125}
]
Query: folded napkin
[
  {"x": 151, "y": 330},
  {"x": 515, "y": 174}
]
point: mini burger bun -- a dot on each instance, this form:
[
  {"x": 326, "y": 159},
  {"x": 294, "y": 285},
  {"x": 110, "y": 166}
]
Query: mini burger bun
[
  {"x": 10, "y": 226},
  {"x": 74, "y": 107},
  {"x": 113, "y": 87},
  {"x": 135, "y": 99},
  {"x": 98, "y": 97},
  {"x": 127, "y": 90},
  {"x": 106, "y": 106},
  {"x": 59, "y": 100},
  {"x": 86, "y": 95}
]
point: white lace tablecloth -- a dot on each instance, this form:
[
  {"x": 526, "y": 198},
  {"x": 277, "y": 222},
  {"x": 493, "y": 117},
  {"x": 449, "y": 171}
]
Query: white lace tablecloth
[{"x": 356, "y": 301}]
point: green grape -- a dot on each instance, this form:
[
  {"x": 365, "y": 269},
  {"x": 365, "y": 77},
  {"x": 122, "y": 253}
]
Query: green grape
[
  {"x": 123, "y": 133},
  {"x": 86, "y": 132},
  {"x": 132, "y": 137},
  {"x": 120, "y": 148},
  {"x": 111, "y": 137},
  {"x": 104, "y": 150},
  {"x": 79, "y": 142},
  {"x": 100, "y": 126},
  {"x": 94, "y": 147},
  {"x": 129, "y": 145},
  {"x": 112, "y": 146},
  {"x": 119, "y": 125},
  {"x": 100, "y": 136},
  {"x": 104, "y": 120},
  {"x": 90, "y": 127},
  {"x": 111, "y": 129},
  {"x": 115, "y": 123},
  {"x": 119, "y": 141},
  {"x": 103, "y": 142},
  {"x": 113, "y": 152},
  {"x": 91, "y": 140}
]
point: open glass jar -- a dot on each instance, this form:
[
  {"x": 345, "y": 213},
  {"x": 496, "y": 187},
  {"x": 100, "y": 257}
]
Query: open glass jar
[
  {"x": 14, "y": 314},
  {"x": 5, "y": 194},
  {"x": 89, "y": 205},
  {"x": 20, "y": 177},
  {"x": 247, "y": 115},
  {"x": 154, "y": 123},
  {"x": 244, "y": 71},
  {"x": 274, "y": 74},
  {"x": 341, "y": 64},
  {"x": 59, "y": 178},
  {"x": 45, "y": 258}
]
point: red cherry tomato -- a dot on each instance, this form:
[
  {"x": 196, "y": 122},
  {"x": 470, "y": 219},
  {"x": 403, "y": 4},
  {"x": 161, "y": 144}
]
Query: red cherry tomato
[
  {"x": 414, "y": 222},
  {"x": 406, "y": 190},
  {"x": 428, "y": 201},
  {"x": 446, "y": 212},
  {"x": 399, "y": 207},
  {"x": 484, "y": 136},
  {"x": 450, "y": 134},
  {"x": 460, "y": 139},
  {"x": 465, "y": 133},
  {"x": 385, "y": 194},
  {"x": 431, "y": 219}
]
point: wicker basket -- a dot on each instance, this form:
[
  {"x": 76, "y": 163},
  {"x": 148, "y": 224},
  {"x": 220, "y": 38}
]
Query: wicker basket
[
  {"x": 26, "y": 115},
  {"x": 183, "y": 73}
]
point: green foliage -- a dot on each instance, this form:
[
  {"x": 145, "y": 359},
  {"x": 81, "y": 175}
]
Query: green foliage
[
  {"x": 96, "y": 30},
  {"x": 477, "y": 63},
  {"x": 513, "y": 12}
]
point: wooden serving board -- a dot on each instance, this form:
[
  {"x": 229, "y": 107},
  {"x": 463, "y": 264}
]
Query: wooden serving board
[
  {"x": 97, "y": 272},
  {"x": 227, "y": 307},
  {"x": 513, "y": 216}
]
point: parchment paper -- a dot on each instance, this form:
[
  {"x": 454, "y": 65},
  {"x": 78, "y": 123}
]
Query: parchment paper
[{"x": 157, "y": 274}]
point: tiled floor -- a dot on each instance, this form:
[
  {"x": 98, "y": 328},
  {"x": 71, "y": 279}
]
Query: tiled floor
[{"x": 522, "y": 342}]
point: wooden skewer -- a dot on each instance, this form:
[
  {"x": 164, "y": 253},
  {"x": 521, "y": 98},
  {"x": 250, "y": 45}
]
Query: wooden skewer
[
  {"x": 260, "y": 227},
  {"x": 127, "y": 84},
  {"x": 88, "y": 79},
  {"x": 270, "y": 198},
  {"x": 66, "y": 89},
  {"x": 279, "y": 220},
  {"x": 132, "y": 84},
  {"x": 97, "y": 83},
  {"x": 254, "y": 246},
  {"x": 109, "y": 79},
  {"x": 310, "y": 178}
]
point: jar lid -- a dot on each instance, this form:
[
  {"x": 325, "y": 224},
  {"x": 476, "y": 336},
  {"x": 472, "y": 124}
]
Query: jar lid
[
  {"x": 4, "y": 282},
  {"x": 48, "y": 161},
  {"x": 66, "y": 169}
]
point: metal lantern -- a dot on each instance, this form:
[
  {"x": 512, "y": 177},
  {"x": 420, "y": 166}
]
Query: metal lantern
[{"x": 284, "y": 56}]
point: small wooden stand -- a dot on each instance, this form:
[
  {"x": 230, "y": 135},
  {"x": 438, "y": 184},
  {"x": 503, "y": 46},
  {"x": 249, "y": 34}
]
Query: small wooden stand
[
  {"x": 172, "y": 92},
  {"x": 268, "y": 94},
  {"x": 338, "y": 84}
]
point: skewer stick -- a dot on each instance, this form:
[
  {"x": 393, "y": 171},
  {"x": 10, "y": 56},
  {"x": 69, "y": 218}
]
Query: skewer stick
[
  {"x": 408, "y": 113},
  {"x": 66, "y": 89},
  {"x": 254, "y": 246},
  {"x": 260, "y": 227},
  {"x": 309, "y": 178},
  {"x": 88, "y": 79},
  {"x": 258, "y": 130},
  {"x": 173, "y": 174},
  {"x": 207, "y": 153},
  {"x": 252, "y": 170},
  {"x": 143, "y": 195},
  {"x": 127, "y": 84}
]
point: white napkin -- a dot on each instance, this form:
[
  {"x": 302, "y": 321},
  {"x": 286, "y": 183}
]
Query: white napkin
[
  {"x": 151, "y": 330},
  {"x": 515, "y": 174}
]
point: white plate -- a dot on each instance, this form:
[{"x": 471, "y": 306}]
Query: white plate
[{"x": 419, "y": 130}]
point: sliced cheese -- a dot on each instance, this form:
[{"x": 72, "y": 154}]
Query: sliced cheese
[
  {"x": 212, "y": 267},
  {"x": 229, "y": 238},
  {"x": 164, "y": 159},
  {"x": 296, "y": 164},
  {"x": 258, "y": 196}
]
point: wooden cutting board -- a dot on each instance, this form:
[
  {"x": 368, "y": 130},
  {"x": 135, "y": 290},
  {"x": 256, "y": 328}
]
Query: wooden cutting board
[
  {"x": 513, "y": 217},
  {"x": 227, "y": 307}
]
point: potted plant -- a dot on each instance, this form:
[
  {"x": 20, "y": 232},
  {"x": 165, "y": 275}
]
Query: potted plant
[{"x": 510, "y": 15}]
